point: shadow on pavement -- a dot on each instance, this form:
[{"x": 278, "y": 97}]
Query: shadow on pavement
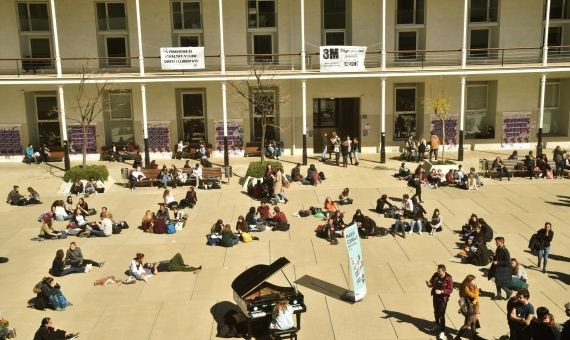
[
  {"x": 562, "y": 277},
  {"x": 422, "y": 325},
  {"x": 322, "y": 287},
  {"x": 232, "y": 323}
]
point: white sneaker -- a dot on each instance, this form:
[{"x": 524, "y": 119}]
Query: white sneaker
[
  {"x": 420, "y": 232},
  {"x": 442, "y": 336},
  {"x": 88, "y": 268}
]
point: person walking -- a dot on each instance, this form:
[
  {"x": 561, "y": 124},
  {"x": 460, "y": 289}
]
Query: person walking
[
  {"x": 324, "y": 144},
  {"x": 543, "y": 238},
  {"x": 356, "y": 151},
  {"x": 501, "y": 269},
  {"x": 441, "y": 284},
  {"x": 434, "y": 145},
  {"x": 469, "y": 294}
]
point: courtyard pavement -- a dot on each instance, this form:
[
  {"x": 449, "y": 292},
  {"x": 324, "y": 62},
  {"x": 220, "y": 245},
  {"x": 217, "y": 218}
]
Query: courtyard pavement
[{"x": 186, "y": 305}]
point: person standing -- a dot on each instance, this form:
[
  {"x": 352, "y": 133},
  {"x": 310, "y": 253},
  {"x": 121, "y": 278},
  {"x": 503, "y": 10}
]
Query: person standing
[
  {"x": 324, "y": 144},
  {"x": 434, "y": 145},
  {"x": 565, "y": 334},
  {"x": 520, "y": 313},
  {"x": 502, "y": 269},
  {"x": 441, "y": 284},
  {"x": 543, "y": 238},
  {"x": 335, "y": 141},
  {"x": 356, "y": 151},
  {"x": 344, "y": 150},
  {"x": 469, "y": 291}
]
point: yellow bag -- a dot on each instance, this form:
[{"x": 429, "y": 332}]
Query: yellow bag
[{"x": 246, "y": 237}]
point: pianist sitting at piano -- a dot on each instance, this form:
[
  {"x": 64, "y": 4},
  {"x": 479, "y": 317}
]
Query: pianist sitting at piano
[{"x": 282, "y": 315}]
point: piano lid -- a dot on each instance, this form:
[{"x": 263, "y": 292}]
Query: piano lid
[{"x": 250, "y": 279}]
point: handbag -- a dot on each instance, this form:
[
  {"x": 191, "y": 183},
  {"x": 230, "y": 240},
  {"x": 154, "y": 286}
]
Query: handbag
[{"x": 465, "y": 306}]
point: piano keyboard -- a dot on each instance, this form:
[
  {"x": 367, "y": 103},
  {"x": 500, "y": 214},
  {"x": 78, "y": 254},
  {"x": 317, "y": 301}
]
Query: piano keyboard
[{"x": 261, "y": 314}]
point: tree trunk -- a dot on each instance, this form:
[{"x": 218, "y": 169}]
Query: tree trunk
[
  {"x": 263, "y": 127},
  {"x": 442, "y": 141},
  {"x": 84, "y": 145}
]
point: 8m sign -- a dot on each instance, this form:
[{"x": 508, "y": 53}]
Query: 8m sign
[{"x": 342, "y": 58}]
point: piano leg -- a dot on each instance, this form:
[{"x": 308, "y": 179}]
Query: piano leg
[
  {"x": 248, "y": 328},
  {"x": 298, "y": 321}
]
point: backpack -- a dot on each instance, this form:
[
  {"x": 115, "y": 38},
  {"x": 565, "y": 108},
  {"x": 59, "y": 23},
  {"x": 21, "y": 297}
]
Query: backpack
[
  {"x": 380, "y": 231},
  {"x": 322, "y": 176},
  {"x": 304, "y": 213},
  {"x": 117, "y": 228},
  {"x": 170, "y": 228},
  {"x": 488, "y": 233},
  {"x": 533, "y": 243},
  {"x": 246, "y": 237}
]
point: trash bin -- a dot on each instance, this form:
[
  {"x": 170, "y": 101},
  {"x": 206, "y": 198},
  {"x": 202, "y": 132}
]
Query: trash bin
[{"x": 228, "y": 171}]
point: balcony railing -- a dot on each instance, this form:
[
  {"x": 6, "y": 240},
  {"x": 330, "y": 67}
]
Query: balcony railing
[{"x": 415, "y": 59}]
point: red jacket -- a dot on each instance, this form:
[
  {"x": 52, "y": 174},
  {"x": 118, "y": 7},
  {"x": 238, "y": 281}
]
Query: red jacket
[{"x": 445, "y": 284}]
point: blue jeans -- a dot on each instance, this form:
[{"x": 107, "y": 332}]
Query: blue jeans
[
  {"x": 98, "y": 233},
  {"x": 399, "y": 225},
  {"x": 71, "y": 270},
  {"x": 164, "y": 181},
  {"x": 417, "y": 224},
  {"x": 58, "y": 300},
  {"x": 543, "y": 256}
]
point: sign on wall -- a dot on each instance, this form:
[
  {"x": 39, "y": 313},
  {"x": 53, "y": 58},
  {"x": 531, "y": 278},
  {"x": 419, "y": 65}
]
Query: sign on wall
[
  {"x": 342, "y": 58},
  {"x": 356, "y": 263},
  {"x": 182, "y": 58},
  {"x": 159, "y": 136},
  {"x": 516, "y": 130},
  {"x": 235, "y": 137},
  {"x": 451, "y": 131}
]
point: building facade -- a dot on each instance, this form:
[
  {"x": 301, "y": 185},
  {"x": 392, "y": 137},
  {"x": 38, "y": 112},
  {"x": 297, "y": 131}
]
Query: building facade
[{"x": 490, "y": 58}]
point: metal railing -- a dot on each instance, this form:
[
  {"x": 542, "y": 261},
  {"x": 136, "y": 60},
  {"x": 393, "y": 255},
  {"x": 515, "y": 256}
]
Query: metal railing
[{"x": 408, "y": 59}]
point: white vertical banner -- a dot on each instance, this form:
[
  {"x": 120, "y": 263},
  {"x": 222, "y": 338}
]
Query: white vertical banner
[
  {"x": 356, "y": 263},
  {"x": 342, "y": 58},
  {"x": 182, "y": 58}
]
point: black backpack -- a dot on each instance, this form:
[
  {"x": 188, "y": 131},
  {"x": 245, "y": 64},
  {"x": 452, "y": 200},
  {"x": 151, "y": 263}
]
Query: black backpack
[
  {"x": 533, "y": 243},
  {"x": 322, "y": 176},
  {"x": 488, "y": 233},
  {"x": 304, "y": 213}
]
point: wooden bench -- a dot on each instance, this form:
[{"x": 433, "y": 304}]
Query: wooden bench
[
  {"x": 252, "y": 150},
  {"x": 190, "y": 151},
  {"x": 151, "y": 176},
  {"x": 212, "y": 174},
  {"x": 486, "y": 167},
  {"x": 56, "y": 155},
  {"x": 106, "y": 154}
]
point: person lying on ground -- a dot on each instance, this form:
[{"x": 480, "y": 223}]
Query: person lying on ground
[{"x": 176, "y": 264}]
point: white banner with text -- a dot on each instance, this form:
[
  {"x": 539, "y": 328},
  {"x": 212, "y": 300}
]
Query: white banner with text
[
  {"x": 182, "y": 58},
  {"x": 342, "y": 58}
]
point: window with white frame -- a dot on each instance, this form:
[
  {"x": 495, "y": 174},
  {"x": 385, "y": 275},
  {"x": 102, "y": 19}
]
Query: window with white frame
[
  {"x": 266, "y": 101},
  {"x": 410, "y": 12},
  {"x": 193, "y": 116},
  {"x": 551, "y": 108},
  {"x": 262, "y": 30},
  {"x": 406, "y": 111},
  {"x": 407, "y": 41},
  {"x": 47, "y": 120},
  {"x": 477, "y": 117},
  {"x": 335, "y": 22},
  {"x": 187, "y": 28},
  {"x": 112, "y": 33},
  {"x": 483, "y": 10},
  {"x": 35, "y": 35},
  {"x": 479, "y": 42},
  {"x": 559, "y": 9},
  {"x": 121, "y": 117}
]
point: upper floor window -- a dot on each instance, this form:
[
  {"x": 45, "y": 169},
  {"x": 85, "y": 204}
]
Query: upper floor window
[
  {"x": 410, "y": 12},
  {"x": 335, "y": 23},
  {"x": 261, "y": 13},
  {"x": 483, "y": 11},
  {"x": 559, "y": 9},
  {"x": 33, "y": 16},
  {"x": 111, "y": 16},
  {"x": 186, "y": 15}
]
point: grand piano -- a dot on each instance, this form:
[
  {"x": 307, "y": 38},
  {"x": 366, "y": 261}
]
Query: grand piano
[{"x": 256, "y": 297}]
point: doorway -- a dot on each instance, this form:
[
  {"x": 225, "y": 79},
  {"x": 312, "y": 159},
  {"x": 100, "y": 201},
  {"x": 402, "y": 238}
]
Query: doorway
[{"x": 335, "y": 114}]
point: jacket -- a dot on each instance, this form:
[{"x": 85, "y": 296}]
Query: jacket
[
  {"x": 445, "y": 284},
  {"x": 542, "y": 239},
  {"x": 278, "y": 182},
  {"x": 503, "y": 271},
  {"x": 48, "y": 333},
  {"x": 57, "y": 267}
]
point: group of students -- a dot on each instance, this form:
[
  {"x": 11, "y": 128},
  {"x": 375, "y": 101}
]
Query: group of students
[
  {"x": 72, "y": 261},
  {"x": 15, "y": 198},
  {"x": 36, "y": 156},
  {"x": 416, "y": 148},
  {"x": 172, "y": 176},
  {"x": 348, "y": 148},
  {"x": 91, "y": 187},
  {"x": 271, "y": 186}
]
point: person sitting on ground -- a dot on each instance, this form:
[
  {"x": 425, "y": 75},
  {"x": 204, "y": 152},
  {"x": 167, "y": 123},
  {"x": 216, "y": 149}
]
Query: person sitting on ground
[
  {"x": 51, "y": 290},
  {"x": 338, "y": 222},
  {"x": 330, "y": 207},
  {"x": 5, "y": 331},
  {"x": 15, "y": 198},
  {"x": 259, "y": 190},
  {"x": 147, "y": 223},
  {"x": 33, "y": 197},
  {"x": 168, "y": 199},
  {"x": 162, "y": 218},
  {"x": 327, "y": 231},
  {"x": 241, "y": 225},
  {"x": 164, "y": 177},
  {"x": 76, "y": 187},
  {"x": 441, "y": 177},
  {"x": 136, "y": 175},
  {"x": 74, "y": 258},
  {"x": 190, "y": 200},
  {"x": 400, "y": 224},
  {"x": 91, "y": 187},
  {"x": 417, "y": 222},
  {"x": 68, "y": 205},
  {"x": 197, "y": 174},
  {"x": 500, "y": 167},
  {"x": 105, "y": 227},
  {"x": 59, "y": 268},
  {"x": 367, "y": 227},
  {"x": 344, "y": 198},
  {"x": 229, "y": 239},
  {"x": 520, "y": 276},
  {"x": 103, "y": 212},
  {"x": 174, "y": 175},
  {"x": 312, "y": 176},
  {"x": 59, "y": 212},
  {"x": 434, "y": 179},
  {"x": 48, "y": 331},
  {"x": 217, "y": 227},
  {"x": 282, "y": 316},
  {"x": 140, "y": 270},
  {"x": 475, "y": 175},
  {"x": 383, "y": 205},
  {"x": 468, "y": 228},
  {"x": 514, "y": 156},
  {"x": 296, "y": 173},
  {"x": 403, "y": 172},
  {"x": 436, "y": 222},
  {"x": 263, "y": 211},
  {"x": 357, "y": 217},
  {"x": 178, "y": 218},
  {"x": 541, "y": 327},
  {"x": 30, "y": 155},
  {"x": 79, "y": 219},
  {"x": 251, "y": 220},
  {"x": 83, "y": 207},
  {"x": 277, "y": 219},
  {"x": 450, "y": 178},
  {"x": 47, "y": 231},
  {"x": 162, "y": 213},
  {"x": 407, "y": 209}
]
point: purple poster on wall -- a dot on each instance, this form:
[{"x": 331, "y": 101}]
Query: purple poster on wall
[
  {"x": 516, "y": 130},
  {"x": 451, "y": 131},
  {"x": 235, "y": 137}
]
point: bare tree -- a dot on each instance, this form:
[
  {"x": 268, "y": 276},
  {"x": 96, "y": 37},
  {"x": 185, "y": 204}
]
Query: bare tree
[
  {"x": 440, "y": 105},
  {"x": 88, "y": 106},
  {"x": 254, "y": 90}
]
